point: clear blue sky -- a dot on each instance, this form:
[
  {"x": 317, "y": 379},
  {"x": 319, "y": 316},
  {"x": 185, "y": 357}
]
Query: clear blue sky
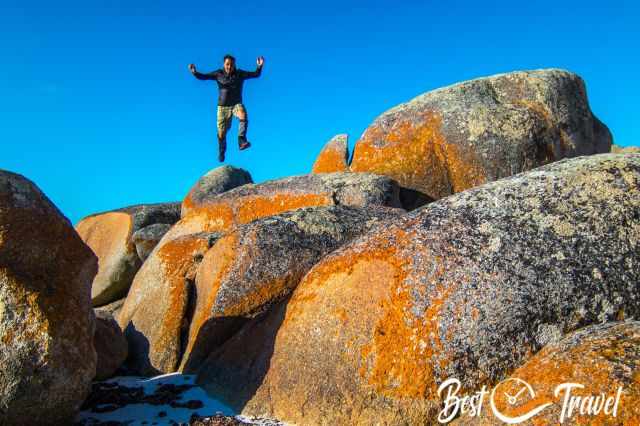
[{"x": 98, "y": 108}]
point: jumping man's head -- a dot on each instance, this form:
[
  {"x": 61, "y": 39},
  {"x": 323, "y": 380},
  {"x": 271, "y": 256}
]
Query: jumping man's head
[{"x": 229, "y": 64}]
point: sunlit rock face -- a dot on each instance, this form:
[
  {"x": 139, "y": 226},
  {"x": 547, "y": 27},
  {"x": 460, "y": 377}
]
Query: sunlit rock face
[{"x": 477, "y": 131}]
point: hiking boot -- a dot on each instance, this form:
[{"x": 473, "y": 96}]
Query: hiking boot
[
  {"x": 243, "y": 143},
  {"x": 221, "y": 157}
]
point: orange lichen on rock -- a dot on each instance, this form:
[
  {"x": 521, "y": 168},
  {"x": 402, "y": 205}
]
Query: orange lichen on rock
[
  {"x": 405, "y": 346},
  {"x": 350, "y": 327},
  {"x": 330, "y": 161},
  {"x": 333, "y": 157},
  {"x": 187, "y": 203},
  {"x": 222, "y": 215},
  {"x": 252, "y": 208},
  {"x": 396, "y": 360},
  {"x": 587, "y": 364},
  {"x": 417, "y": 155},
  {"x": 595, "y": 363},
  {"x": 216, "y": 264},
  {"x": 46, "y": 320},
  {"x": 177, "y": 257}
]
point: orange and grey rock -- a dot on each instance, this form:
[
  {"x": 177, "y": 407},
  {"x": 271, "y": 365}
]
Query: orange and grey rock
[
  {"x": 477, "y": 131},
  {"x": 216, "y": 181},
  {"x": 334, "y": 156},
  {"x": 260, "y": 263},
  {"x": 147, "y": 238},
  {"x": 604, "y": 359},
  {"x": 46, "y": 319},
  {"x": 154, "y": 314},
  {"x": 470, "y": 286},
  {"x": 253, "y": 201},
  {"x": 109, "y": 235},
  {"x": 110, "y": 344}
]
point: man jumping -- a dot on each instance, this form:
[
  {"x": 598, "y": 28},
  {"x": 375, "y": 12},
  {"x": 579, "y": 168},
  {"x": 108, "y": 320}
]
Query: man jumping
[{"x": 230, "y": 82}]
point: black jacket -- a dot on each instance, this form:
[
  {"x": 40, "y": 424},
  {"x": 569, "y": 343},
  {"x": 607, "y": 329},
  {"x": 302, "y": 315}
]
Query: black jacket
[{"x": 229, "y": 85}]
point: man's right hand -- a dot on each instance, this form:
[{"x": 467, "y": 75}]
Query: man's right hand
[{"x": 192, "y": 68}]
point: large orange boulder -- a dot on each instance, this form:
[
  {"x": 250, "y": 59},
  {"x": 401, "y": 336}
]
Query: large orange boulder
[
  {"x": 477, "y": 131},
  {"x": 260, "y": 263},
  {"x": 109, "y": 235},
  {"x": 154, "y": 313},
  {"x": 46, "y": 319},
  {"x": 334, "y": 156},
  {"x": 590, "y": 377},
  {"x": 469, "y": 286}
]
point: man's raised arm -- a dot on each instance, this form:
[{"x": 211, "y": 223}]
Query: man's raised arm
[
  {"x": 257, "y": 72},
  {"x": 200, "y": 76}
]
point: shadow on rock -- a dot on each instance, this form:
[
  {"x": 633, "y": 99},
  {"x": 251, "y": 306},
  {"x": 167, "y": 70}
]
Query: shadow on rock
[
  {"x": 138, "y": 361},
  {"x": 212, "y": 335},
  {"x": 234, "y": 372}
]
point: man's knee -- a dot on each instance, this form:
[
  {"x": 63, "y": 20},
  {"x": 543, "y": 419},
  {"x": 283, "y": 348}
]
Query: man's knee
[{"x": 240, "y": 112}]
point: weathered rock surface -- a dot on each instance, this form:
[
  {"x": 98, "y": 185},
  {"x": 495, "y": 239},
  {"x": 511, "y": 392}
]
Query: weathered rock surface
[
  {"x": 215, "y": 182},
  {"x": 602, "y": 358},
  {"x": 154, "y": 312},
  {"x": 46, "y": 320},
  {"x": 147, "y": 238},
  {"x": 260, "y": 263},
  {"x": 113, "y": 308},
  {"x": 153, "y": 316},
  {"x": 109, "y": 236},
  {"x": 110, "y": 345},
  {"x": 253, "y": 201},
  {"x": 334, "y": 156},
  {"x": 469, "y": 286},
  {"x": 477, "y": 131},
  {"x": 624, "y": 149}
]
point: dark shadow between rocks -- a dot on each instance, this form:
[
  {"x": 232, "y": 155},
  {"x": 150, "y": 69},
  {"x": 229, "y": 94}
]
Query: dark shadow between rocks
[
  {"x": 213, "y": 334},
  {"x": 137, "y": 361},
  {"x": 233, "y": 372},
  {"x": 410, "y": 199}
]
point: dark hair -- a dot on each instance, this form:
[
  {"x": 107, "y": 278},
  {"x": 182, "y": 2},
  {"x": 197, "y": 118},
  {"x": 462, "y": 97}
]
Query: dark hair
[{"x": 229, "y": 57}]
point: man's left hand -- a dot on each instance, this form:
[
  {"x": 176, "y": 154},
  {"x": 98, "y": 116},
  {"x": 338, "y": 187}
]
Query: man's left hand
[{"x": 260, "y": 61}]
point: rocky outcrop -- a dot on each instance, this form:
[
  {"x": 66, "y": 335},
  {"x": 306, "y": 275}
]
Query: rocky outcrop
[
  {"x": 253, "y": 201},
  {"x": 160, "y": 299},
  {"x": 147, "y": 238},
  {"x": 604, "y": 359},
  {"x": 109, "y": 236},
  {"x": 334, "y": 156},
  {"x": 624, "y": 149},
  {"x": 154, "y": 316},
  {"x": 46, "y": 320},
  {"x": 110, "y": 344},
  {"x": 469, "y": 286},
  {"x": 470, "y": 133},
  {"x": 215, "y": 182},
  {"x": 260, "y": 263}
]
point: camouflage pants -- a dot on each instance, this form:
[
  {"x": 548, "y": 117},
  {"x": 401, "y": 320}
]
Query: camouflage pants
[{"x": 225, "y": 114}]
